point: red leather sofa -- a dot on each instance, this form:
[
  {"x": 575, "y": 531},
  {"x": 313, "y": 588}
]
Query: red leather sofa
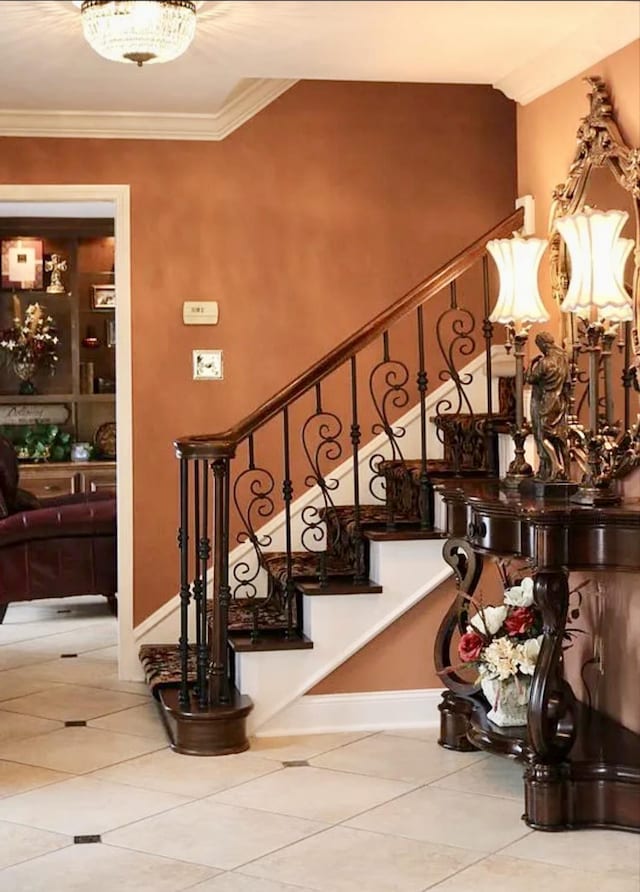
[{"x": 53, "y": 548}]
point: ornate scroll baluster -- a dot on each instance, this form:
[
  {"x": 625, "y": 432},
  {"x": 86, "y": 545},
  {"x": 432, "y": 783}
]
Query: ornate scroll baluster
[
  {"x": 321, "y": 524},
  {"x": 393, "y": 376},
  {"x": 252, "y": 498},
  {"x": 358, "y": 541},
  {"x": 460, "y": 322},
  {"x": 183, "y": 545},
  {"x": 491, "y": 442}
]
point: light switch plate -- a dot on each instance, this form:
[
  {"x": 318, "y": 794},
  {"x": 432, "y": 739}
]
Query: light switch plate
[
  {"x": 200, "y": 312},
  {"x": 207, "y": 365}
]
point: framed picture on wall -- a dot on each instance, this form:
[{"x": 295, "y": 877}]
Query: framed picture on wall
[
  {"x": 22, "y": 264},
  {"x": 103, "y": 297}
]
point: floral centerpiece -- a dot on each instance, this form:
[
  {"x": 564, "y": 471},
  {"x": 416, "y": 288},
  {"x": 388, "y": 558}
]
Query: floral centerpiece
[
  {"x": 31, "y": 343},
  {"x": 503, "y": 643}
]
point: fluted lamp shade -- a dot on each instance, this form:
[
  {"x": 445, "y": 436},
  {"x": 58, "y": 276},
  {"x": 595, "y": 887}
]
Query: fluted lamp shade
[
  {"x": 140, "y": 31},
  {"x": 598, "y": 256},
  {"x": 519, "y": 298}
]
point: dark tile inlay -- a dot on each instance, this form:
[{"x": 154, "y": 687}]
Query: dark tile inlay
[
  {"x": 64, "y": 610},
  {"x": 296, "y": 763},
  {"x": 79, "y": 723},
  {"x": 67, "y": 656},
  {"x": 90, "y": 837}
]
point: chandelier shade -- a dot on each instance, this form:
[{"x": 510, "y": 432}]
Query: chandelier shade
[
  {"x": 140, "y": 31},
  {"x": 519, "y": 299},
  {"x": 598, "y": 256}
]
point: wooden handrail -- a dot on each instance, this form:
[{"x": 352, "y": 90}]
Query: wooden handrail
[{"x": 225, "y": 442}]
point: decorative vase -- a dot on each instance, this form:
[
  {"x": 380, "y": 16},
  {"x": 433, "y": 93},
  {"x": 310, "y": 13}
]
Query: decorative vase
[
  {"x": 509, "y": 700},
  {"x": 25, "y": 369}
]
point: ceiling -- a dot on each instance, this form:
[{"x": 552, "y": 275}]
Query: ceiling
[{"x": 247, "y": 53}]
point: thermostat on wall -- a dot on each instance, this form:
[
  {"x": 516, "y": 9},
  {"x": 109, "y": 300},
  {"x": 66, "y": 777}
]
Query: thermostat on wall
[
  {"x": 200, "y": 312},
  {"x": 207, "y": 365}
]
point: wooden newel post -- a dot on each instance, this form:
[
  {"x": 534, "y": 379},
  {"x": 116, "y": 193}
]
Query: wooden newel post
[{"x": 219, "y": 658}]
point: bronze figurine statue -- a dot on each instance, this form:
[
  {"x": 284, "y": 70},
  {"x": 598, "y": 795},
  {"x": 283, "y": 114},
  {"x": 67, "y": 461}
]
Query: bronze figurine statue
[{"x": 549, "y": 375}]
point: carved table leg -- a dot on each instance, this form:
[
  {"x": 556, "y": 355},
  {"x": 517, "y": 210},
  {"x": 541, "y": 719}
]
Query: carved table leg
[
  {"x": 551, "y": 721},
  {"x": 454, "y": 708}
]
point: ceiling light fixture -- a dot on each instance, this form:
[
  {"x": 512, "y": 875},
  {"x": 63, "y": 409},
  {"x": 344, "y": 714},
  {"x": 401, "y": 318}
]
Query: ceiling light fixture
[{"x": 140, "y": 31}]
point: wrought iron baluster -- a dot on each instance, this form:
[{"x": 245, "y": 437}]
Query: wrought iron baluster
[
  {"x": 183, "y": 545},
  {"x": 358, "y": 541},
  {"x": 219, "y": 686},
  {"x": 391, "y": 376},
  {"x": 426, "y": 489},
  {"x": 491, "y": 438},
  {"x": 628, "y": 375},
  {"x": 287, "y": 496},
  {"x": 252, "y": 497},
  {"x": 204, "y": 553},
  {"x": 460, "y": 322},
  {"x": 320, "y": 441}
]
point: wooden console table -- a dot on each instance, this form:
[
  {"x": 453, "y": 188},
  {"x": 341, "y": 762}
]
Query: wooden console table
[{"x": 582, "y": 768}]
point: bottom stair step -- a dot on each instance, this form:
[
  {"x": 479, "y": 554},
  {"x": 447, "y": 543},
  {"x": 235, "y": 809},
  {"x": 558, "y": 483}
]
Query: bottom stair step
[
  {"x": 340, "y": 587},
  {"x": 269, "y": 641}
]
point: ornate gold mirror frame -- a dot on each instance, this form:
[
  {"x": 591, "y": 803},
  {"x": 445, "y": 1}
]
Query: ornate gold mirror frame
[{"x": 600, "y": 144}]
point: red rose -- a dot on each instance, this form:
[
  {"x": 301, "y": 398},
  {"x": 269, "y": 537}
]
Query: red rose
[
  {"x": 519, "y": 621},
  {"x": 470, "y": 647}
]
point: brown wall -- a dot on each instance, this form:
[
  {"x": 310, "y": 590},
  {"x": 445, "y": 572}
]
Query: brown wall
[
  {"x": 303, "y": 224},
  {"x": 401, "y": 658}
]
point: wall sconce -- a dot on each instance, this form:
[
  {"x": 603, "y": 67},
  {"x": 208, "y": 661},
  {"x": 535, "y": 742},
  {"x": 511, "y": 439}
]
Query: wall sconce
[
  {"x": 519, "y": 305},
  {"x": 597, "y": 297}
]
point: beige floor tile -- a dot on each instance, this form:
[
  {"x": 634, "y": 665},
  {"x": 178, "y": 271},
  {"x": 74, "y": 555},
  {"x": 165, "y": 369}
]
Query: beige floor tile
[
  {"x": 11, "y": 633},
  {"x": 235, "y": 882},
  {"x": 20, "y": 683},
  {"x": 22, "y": 843},
  {"x": 143, "y": 721},
  {"x": 346, "y": 860},
  {"x": 233, "y": 835},
  {"x": 597, "y": 850},
  {"x": 399, "y": 758},
  {"x": 171, "y": 772},
  {"x": 314, "y": 793},
  {"x": 13, "y": 656},
  {"x": 72, "y": 703},
  {"x": 83, "y": 805},
  {"x": 105, "y": 653},
  {"x": 77, "y": 750},
  {"x": 481, "y": 823},
  {"x": 82, "y": 671},
  {"x": 500, "y": 874},
  {"x": 431, "y": 732},
  {"x": 306, "y": 746},
  {"x": 495, "y": 776},
  {"x": 16, "y": 778},
  {"x": 14, "y": 726},
  {"x": 100, "y": 868}
]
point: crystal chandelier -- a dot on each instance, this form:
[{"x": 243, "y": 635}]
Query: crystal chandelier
[{"x": 139, "y": 30}]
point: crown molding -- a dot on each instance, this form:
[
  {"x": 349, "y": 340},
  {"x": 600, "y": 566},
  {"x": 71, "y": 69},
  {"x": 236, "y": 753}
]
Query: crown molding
[
  {"x": 615, "y": 26},
  {"x": 140, "y": 125}
]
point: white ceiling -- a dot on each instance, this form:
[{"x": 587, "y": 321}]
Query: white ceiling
[{"x": 245, "y": 53}]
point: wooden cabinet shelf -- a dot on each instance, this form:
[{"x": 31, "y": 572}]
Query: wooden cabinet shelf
[{"x": 49, "y": 479}]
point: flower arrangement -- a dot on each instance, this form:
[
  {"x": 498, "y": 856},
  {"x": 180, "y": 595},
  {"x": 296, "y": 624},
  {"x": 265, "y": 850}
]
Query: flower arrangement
[
  {"x": 504, "y": 643},
  {"x": 30, "y": 342}
]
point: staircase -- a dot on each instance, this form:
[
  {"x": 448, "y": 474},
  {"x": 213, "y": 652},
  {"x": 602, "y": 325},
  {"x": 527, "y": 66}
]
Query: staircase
[{"x": 313, "y": 578}]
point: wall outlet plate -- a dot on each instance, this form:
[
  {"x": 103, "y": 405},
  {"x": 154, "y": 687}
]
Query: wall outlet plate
[
  {"x": 200, "y": 312},
  {"x": 207, "y": 365}
]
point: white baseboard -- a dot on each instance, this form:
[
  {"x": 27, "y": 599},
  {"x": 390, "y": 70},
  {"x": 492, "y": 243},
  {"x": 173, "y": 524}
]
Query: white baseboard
[{"x": 371, "y": 711}]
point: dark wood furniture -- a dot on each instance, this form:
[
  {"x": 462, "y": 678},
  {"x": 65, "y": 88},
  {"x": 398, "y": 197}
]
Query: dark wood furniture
[
  {"x": 581, "y": 768},
  {"x": 49, "y": 479}
]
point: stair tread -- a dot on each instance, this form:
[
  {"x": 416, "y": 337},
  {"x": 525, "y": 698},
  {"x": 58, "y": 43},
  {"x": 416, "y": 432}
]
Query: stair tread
[
  {"x": 403, "y": 535},
  {"x": 340, "y": 587},
  {"x": 304, "y": 564},
  {"x": 242, "y": 610}
]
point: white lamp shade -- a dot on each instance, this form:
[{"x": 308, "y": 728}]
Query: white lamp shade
[
  {"x": 519, "y": 299},
  {"x": 598, "y": 256}
]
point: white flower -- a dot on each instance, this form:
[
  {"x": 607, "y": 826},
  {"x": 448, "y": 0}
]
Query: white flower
[
  {"x": 501, "y": 658},
  {"x": 520, "y": 595},
  {"x": 489, "y": 619},
  {"x": 528, "y": 653}
]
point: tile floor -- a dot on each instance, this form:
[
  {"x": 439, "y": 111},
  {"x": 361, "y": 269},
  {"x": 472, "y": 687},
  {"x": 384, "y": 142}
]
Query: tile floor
[{"x": 384, "y": 812}]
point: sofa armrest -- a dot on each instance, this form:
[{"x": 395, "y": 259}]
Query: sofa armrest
[{"x": 94, "y": 517}]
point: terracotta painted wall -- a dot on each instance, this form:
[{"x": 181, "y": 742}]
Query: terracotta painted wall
[
  {"x": 546, "y": 130},
  {"x": 303, "y": 224}
]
